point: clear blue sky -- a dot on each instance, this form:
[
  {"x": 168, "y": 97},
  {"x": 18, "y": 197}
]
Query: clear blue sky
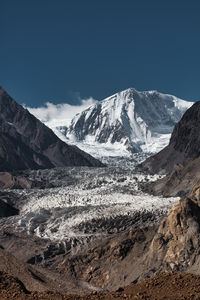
[{"x": 54, "y": 50}]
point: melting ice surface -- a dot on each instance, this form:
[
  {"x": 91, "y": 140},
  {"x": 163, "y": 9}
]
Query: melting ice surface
[{"x": 89, "y": 201}]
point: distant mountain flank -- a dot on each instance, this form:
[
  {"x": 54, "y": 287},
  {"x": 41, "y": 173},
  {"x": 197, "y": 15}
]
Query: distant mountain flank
[
  {"x": 26, "y": 143},
  {"x": 180, "y": 160},
  {"x": 184, "y": 145},
  {"x": 127, "y": 122}
]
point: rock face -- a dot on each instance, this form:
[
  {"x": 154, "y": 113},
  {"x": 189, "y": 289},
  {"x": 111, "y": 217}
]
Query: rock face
[
  {"x": 184, "y": 144},
  {"x": 176, "y": 239},
  {"x": 26, "y": 143},
  {"x": 127, "y": 122},
  {"x": 176, "y": 245}
]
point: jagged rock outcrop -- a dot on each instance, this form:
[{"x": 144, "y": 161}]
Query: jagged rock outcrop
[
  {"x": 25, "y": 142},
  {"x": 176, "y": 245},
  {"x": 184, "y": 144}
]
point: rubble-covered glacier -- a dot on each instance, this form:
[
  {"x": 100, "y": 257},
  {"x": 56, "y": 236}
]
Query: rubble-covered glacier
[{"x": 87, "y": 202}]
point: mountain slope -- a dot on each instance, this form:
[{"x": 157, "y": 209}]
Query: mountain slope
[
  {"x": 184, "y": 144},
  {"x": 25, "y": 142},
  {"x": 176, "y": 243},
  {"x": 127, "y": 122}
]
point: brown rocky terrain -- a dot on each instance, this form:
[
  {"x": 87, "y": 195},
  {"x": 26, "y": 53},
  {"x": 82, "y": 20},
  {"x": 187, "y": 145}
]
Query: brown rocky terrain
[
  {"x": 31, "y": 278},
  {"x": 115, "y": 261},
  {"x": 106, "y": 264},
  {"x": 180, "y": 286},
  {"x": 18, "y": 180},
  {"x": 37, "y": 278},
  {"x": 7, "y": 180},
  {"x": 176, "y": 245}
]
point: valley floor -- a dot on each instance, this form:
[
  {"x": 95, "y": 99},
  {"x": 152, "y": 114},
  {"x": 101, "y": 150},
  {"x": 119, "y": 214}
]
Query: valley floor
[{"x": 171, "y": 286}]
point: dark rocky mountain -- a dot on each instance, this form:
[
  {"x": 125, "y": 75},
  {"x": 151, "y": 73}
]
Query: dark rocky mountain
[
  {"x": 26, "y": 143},
  {"x": 184, "y": 144}
]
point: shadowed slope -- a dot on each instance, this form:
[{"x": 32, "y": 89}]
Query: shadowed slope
[
  {"x": 25, "y": 142},
  {"x": 184, "y": 144}
]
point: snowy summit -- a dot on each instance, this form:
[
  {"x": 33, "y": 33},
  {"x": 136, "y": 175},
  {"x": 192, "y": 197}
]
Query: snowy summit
[{"x": 127, "y": 122}]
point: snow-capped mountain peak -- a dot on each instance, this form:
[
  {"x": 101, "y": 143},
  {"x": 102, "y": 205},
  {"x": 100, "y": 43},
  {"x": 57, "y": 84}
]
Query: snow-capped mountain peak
[{"x": 126, "y": 122}]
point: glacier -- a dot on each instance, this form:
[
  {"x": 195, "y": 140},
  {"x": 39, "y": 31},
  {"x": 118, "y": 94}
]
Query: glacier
[{"x": 86, "y": 203}]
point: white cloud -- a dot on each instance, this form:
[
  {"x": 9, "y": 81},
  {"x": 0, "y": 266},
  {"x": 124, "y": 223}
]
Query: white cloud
[{"x": 59, "y": 114}]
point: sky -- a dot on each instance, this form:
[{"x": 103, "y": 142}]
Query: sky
[{"x": 64, "y": 51}]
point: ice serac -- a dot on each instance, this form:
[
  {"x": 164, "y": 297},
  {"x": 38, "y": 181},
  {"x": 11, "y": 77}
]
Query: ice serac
[
  {"x": 184, "y": 147},
  {"x": 26, "y": 143},
  {"x": 127, "y": 122}
]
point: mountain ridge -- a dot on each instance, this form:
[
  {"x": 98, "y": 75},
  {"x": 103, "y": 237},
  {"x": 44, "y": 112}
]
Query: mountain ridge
[
  {"x": 183, "y": 146},
  {"x": 27, "y": 143},
  {"x": 125, "y": 123}
]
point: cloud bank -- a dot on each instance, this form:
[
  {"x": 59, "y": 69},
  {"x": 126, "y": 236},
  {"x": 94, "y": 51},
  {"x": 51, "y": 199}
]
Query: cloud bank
[{"x": 59, "y": 114}]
